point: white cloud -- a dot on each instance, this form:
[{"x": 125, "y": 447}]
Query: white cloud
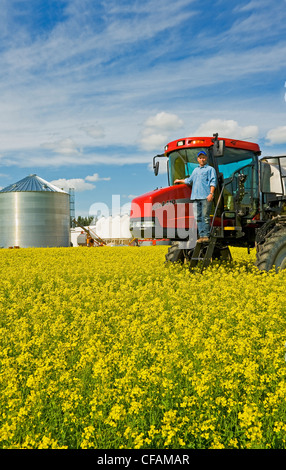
[
  {"x": 227, "y": 128},
  {"x": 64, "y": 146},
  {"x": 78, "y": 184},
  {"x": 96, "y": 132},
  {"x": 95, "y": 177},
  {"x": 277, "y": 135},
  {"x": 150, "y": 141},
  {"x": 72, "y": 81},
  {"x": 157, "y": 130},
  {"x": 165, "y": 121}
]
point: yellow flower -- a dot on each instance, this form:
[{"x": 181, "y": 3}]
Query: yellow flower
[{"x": 111, "y": 348}]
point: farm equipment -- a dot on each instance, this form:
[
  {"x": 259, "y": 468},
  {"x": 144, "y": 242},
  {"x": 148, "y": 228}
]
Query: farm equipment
[
  {"x": 249, "y": 208},
  {"x": 91, "y": 238}
]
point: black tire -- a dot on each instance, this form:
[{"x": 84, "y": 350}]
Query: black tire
[
  {"x": 175, "y": 254},
  {"x": 222, "y": 253},
  {"x": 272, "y": 254},
  {"x": 178, "y": 255}
]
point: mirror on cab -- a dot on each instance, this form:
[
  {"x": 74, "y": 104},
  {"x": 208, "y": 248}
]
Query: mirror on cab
[
  {"x": 156, "y": 168},
  {"x": 156, "y": 164},
  {"x": 218, "y": 147}
]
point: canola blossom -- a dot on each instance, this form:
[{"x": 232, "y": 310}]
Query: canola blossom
[{"x": 110, "y": 348}]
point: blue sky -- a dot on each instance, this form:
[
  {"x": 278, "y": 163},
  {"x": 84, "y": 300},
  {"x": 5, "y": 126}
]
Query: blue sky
[{"x": 91, "y": 90}]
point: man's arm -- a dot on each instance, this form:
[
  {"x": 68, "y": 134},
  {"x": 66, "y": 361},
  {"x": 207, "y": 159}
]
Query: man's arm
[
  {"x": 213, "y": 183},
  {"x": 211, "y": 194},
  {"x": 187, "y": 180}
]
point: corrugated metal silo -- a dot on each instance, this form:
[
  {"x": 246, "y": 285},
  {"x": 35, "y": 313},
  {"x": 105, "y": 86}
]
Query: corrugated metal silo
[{"x": 34, "y": 213}]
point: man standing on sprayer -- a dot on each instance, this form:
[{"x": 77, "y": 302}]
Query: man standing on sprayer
[{"x": 203, "y": 180}]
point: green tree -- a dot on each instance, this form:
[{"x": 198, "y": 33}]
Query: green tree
[{"x": 85, "y": 221}]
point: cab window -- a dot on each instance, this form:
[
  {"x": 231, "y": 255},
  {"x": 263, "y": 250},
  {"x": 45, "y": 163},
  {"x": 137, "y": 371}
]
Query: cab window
[
  {"x": 240, "y": 175},
  {"x": 183, "y": 162}
]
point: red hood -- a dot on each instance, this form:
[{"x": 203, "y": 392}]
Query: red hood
[{"x": 141, "y": 206}]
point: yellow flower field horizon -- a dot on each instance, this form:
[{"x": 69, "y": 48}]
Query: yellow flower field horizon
[{"x": 110, "y": 348}]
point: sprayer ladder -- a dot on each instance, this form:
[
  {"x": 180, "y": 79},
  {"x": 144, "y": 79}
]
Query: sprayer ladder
[{"x": 203, "y": 253}]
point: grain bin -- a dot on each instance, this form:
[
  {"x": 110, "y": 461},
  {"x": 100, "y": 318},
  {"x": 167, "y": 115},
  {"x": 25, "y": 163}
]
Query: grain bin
[{"x": 34, "y": 213}]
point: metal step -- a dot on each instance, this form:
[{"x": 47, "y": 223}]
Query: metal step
[{"x": 206, "y": 259}]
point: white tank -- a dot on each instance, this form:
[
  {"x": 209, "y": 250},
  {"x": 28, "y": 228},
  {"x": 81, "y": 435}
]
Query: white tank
[
  {"x": 113, "y": 227},
  {"x": 34, "y": 213}
]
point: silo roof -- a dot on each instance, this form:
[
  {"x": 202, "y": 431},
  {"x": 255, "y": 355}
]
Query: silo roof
[{"x": 32, "y": 183}]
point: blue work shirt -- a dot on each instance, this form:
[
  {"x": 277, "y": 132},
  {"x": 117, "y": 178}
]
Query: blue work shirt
[{"x": 201, "y": 179}]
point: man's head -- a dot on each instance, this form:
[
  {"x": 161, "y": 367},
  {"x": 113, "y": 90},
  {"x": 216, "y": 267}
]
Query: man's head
[{"x": 202, "y": 158}]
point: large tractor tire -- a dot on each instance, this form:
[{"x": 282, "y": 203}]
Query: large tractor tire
[
  {"x": 175, "y": 254},
  {"x": 272, "y": 254}
]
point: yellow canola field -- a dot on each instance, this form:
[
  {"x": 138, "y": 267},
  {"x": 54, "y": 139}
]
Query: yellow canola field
[{"x": 111, "y": 348}]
